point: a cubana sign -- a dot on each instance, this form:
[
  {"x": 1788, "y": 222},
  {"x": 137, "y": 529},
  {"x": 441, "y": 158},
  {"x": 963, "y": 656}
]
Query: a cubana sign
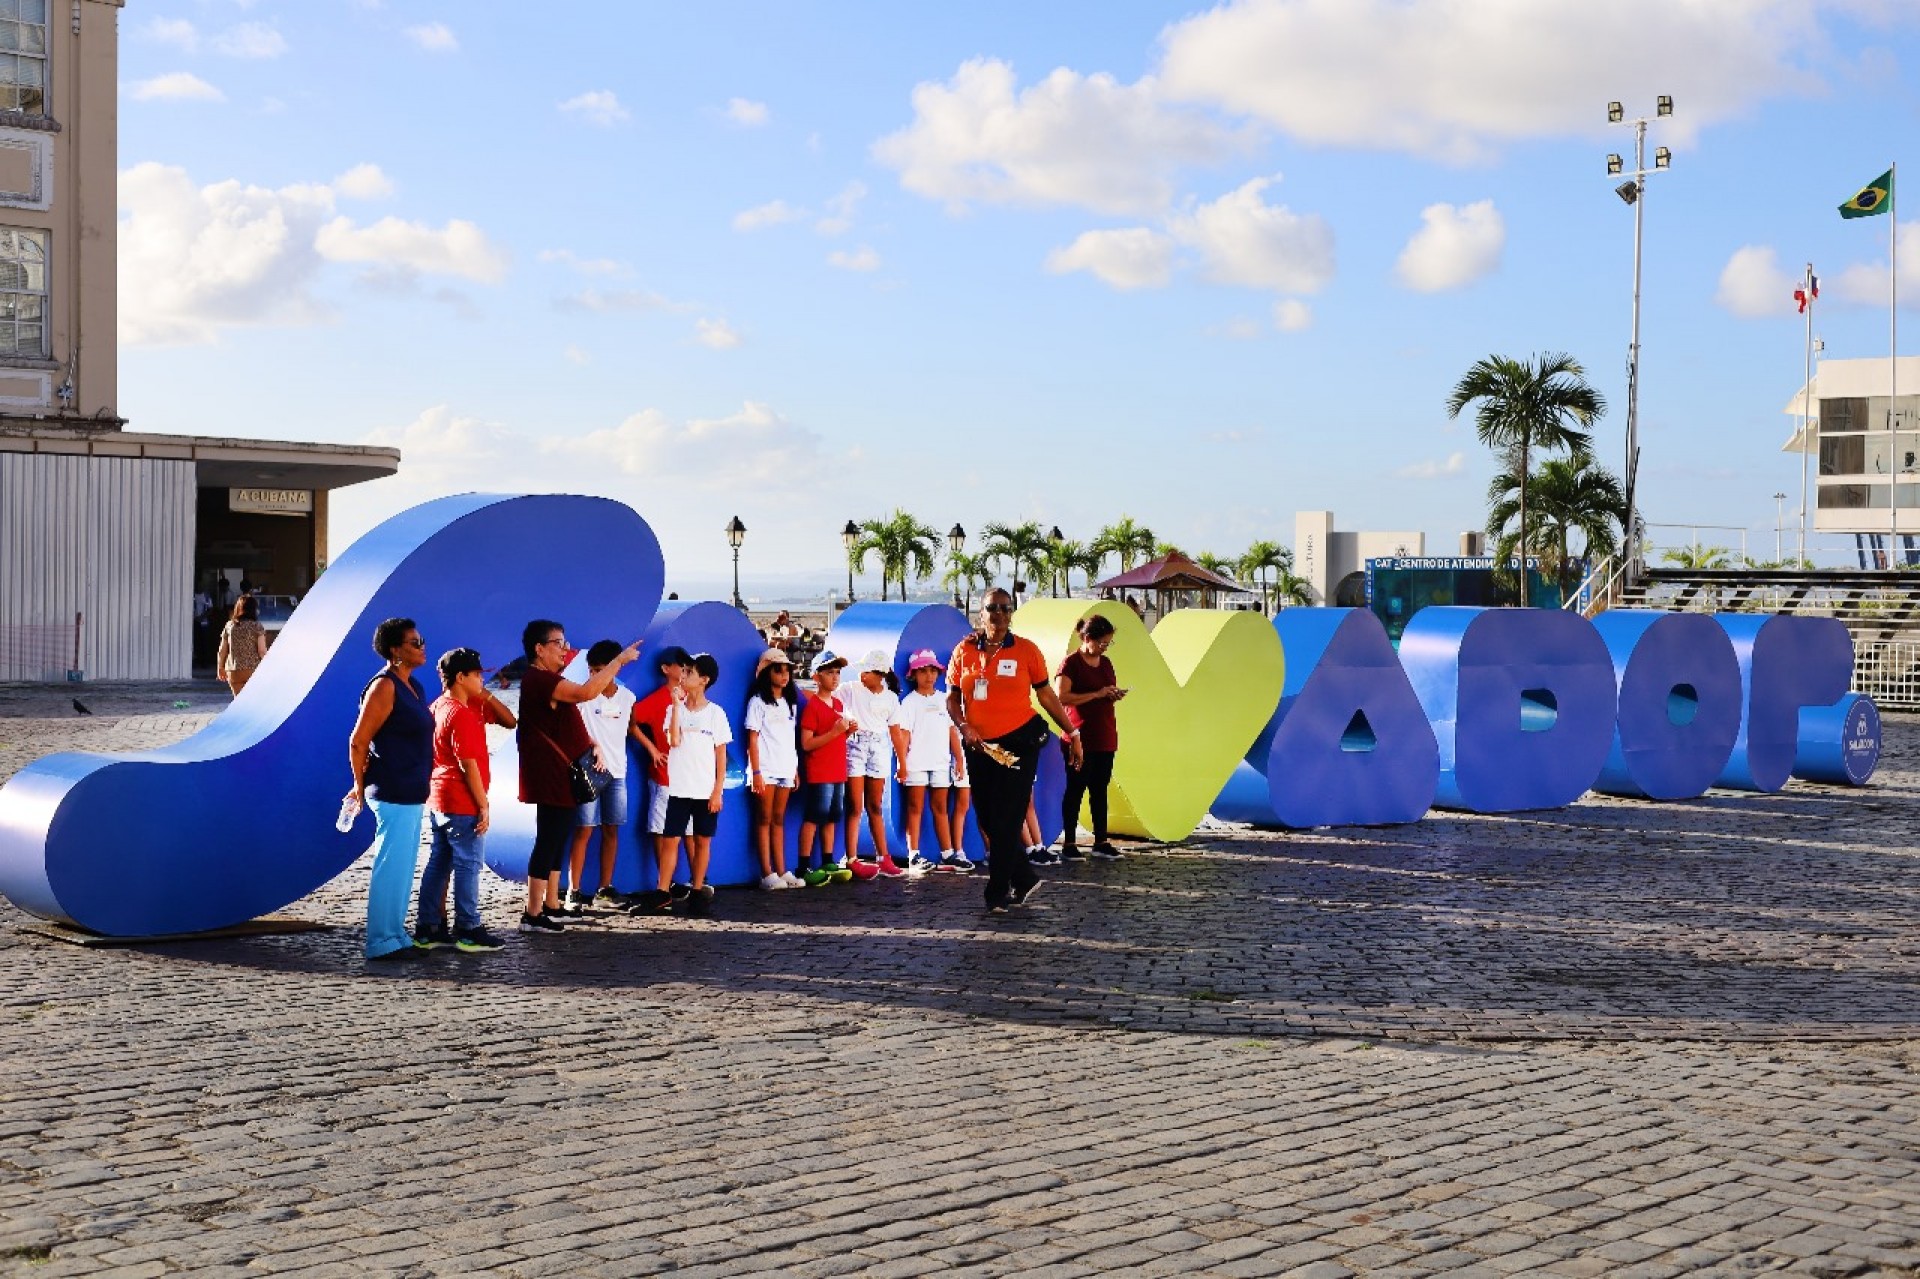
[{"x": 1310, "y": 720}]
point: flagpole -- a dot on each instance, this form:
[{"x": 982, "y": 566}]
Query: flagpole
[
  {"x": 1806, "y": 418},
  {"x": 1893, "y": 361}
]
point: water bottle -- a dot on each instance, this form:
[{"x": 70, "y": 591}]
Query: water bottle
[{"x": 349, "y": 809}]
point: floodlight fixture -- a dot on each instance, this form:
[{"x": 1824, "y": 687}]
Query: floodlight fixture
[
  {"x": 1615, "y": 113},
  {"x": 1614, "y": 165},
  {"x": 1662, "y": 158},
  {"x": 1663, "y": 105},
  {"x": 1628, "y": 192}
]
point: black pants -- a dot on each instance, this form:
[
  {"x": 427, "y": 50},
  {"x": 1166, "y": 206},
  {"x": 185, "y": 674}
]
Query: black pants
[
  {"x": 1089, "y": 781},
  {"x": 552, "y": 832},
  {"x": 1001, "y": 794}
]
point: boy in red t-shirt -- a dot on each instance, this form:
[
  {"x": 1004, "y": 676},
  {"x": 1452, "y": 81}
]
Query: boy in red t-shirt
[
  {"x": 652, "y": 716},
  {"x": 458, "y": 811},
  {"x": 824, "y": 725}
]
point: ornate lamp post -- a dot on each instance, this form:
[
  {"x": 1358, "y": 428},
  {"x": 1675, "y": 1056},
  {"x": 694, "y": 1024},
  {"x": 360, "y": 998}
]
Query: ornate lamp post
[
  {"x": 956, "y": 542},
  {"x": 736, "y": 534},
  {"x": 1055, "y": 537},
  {"x": 848, "y": 536}
]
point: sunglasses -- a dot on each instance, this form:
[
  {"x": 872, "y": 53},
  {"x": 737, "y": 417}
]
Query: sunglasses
[
  {"x": 414, "y": 642},
  {"x": 997, "y": 608}
]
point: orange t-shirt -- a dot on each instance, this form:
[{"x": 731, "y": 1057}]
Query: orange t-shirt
[{"x": 1007, "y": 676}]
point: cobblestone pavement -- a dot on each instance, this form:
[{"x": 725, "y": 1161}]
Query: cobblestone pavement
[{"x": 1618, "y": 1039}]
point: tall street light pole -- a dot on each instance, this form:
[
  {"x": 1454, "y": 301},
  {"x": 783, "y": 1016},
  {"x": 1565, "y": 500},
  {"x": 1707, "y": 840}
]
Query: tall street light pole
[
  {"x": 956, "y": 541},
  {"x": 1054, "y": 538},
  {"x": 848, "y": 537},
  {"x": 736, "y": 534},
  {"x": 1633, "y": 192},
  {"x": 1779, "y": 518}
]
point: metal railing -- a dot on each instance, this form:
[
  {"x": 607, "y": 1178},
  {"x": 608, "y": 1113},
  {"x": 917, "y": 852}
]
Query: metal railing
[
  {"x": 1888, "y": 671},
  {"x": 1599, "y": 590}
]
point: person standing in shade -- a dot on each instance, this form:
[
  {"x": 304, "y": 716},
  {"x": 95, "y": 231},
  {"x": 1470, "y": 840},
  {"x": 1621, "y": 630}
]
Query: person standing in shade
[
  {"x": 1088, "y": 689},
  {"x": 552, "y": 740},
  {"x": 993, "y": 681},
  {"x": 391, "y": 754},
  {"x": 243, "y": 645}
]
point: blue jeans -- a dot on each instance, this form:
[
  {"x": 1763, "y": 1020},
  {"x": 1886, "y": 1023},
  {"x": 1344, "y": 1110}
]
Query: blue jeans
[
  {"x": 396, "y": 851},
  {"x": 455, "y": 850}
]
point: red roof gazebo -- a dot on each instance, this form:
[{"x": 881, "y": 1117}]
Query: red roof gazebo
[{"x": 1174, "y": 580}]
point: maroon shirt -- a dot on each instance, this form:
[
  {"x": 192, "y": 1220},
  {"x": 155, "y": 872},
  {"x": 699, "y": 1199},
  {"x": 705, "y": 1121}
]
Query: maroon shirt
[
  {"x": 1098, "y": 731},
  {"x": 551, "y": 738}
]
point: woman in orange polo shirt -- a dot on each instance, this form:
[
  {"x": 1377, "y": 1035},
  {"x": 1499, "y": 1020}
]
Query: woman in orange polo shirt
[{"x": 992, "y": 682}]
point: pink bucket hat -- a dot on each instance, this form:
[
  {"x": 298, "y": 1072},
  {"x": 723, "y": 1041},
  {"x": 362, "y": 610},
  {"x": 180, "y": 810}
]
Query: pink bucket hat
[{"x": 925, "y": 657}]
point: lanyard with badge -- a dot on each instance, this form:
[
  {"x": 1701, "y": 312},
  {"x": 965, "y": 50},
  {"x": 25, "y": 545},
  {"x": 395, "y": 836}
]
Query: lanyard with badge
[{"x": 1006, "y": 668}]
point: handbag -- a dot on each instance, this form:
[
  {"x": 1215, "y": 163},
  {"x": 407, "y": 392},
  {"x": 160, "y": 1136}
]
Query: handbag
[{"x": 580, "y": 779}]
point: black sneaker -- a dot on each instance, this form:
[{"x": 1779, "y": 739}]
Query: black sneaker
[
  {"x": 698, "y": 903},
  {"x": 1070, "y": 853},
  {"x": 611, "y": 898},
  {"x": 998, "y": 905},
  {"x": 651, "y": 902},
  {"x": 1106, "y": 852},
  {"x": 1041, "y": 857},
  {"x": 679, "y": 891},
  {"x": 435, "y": 940},
  {"x": 562, "y": 911},
  {"x": 543, "y": 923},
  {"x": 577, "y": 902},
  {"x": 1021, "y": 896},
  {"x": 477, "y": 942}
]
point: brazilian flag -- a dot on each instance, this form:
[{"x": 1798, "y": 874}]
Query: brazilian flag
[{"x": 1873, "y": 198}]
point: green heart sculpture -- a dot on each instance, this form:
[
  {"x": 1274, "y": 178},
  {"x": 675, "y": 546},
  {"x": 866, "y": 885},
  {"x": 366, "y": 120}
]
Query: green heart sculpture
[{"x": 1201, "y": 686}]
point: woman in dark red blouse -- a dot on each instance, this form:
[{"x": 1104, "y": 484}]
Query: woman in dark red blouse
[
  {"x": 1088, "y": 688},
  {"x": 551, "y": 738}
]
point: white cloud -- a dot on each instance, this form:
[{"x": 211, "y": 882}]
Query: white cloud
[
  {"x": 717, "y": 334},
  {"x": 772, "y": 213},
  {"x": 1433, "y": 469},
  {"x": 575, "y": 356},
  {"x": 1129, "y": 258},
  {"x": 1084, "y": 140},
  {"x": 196, "y": 259},
  {"x": 618, "y": 300},
  {"x": 364, "y": 182},
  {"x": 861, "y": 259},
  {"x": 250, "y": 40},
  {"x": 1455, "y": 246},
  {"x": 1457, "y": 79},
  {"x": 459, "y": 248},
  {"x": 177, "y": 32},
  {"x": 1243, "y": 240},
  {"x": 841, "y": 208},
  {"x": 1866, "y": 282},
  {"x": 585, "y": 266},
  {"x": 1752, "y": 284},
  {"x": 434, "y": 37},
  {"x": 599, "y": 107},
  {"x": 681, "y": 466},
  {"x": 1291, "y": 315},
  {"x": 747, "y": 113},
  {"x": 176, "y": 86}
]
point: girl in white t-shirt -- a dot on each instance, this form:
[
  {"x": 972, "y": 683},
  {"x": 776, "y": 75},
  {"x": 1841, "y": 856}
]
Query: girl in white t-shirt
[
  {"x": 874, "y": 703},
  {"x": 931, "y": 756},
  {"x": 773, "y": 763}
]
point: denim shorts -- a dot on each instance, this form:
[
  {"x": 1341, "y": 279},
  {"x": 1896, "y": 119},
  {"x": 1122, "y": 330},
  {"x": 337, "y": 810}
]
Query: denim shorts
[
  {"x": 869, "y": 755},
  {"x": 940, "y": 777},
  {"x": 782, "y": 783},
  {"x": 609, "y": 808},
  {"x": 826, "y": 801},
  {"x": 657, "y": 809}
]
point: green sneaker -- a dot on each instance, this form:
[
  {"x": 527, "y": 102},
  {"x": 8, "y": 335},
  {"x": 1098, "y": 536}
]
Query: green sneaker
[
  {"x": 841, "y": 874},
  {"x": 816, "y": 877},
  {"x": 432, "y": 941}
]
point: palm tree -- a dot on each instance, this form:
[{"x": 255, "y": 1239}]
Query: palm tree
[
  {"x": 904, "y": 545},
  {"x": 1216, "y": 563},
  {"x": 1088, "y": 562},
  {"x": 1129, "y": 541},
  {"x": 1258, "y": 560},
  {"x": 1023, "y": 546},
  {"x": 1063, "y": 557},
  {"x": 1163, "y": 549},
  {"x": 1523, "y": 404},
  {"x": 1696, "y": 556},
  {"x": 964, "y": 571},
  {"x": 1288, "y": 589},
  {"x": 1570, "y": 495}
]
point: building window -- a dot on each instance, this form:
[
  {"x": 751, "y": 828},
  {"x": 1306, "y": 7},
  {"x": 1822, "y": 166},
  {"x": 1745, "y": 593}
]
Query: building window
[
  {"x": 23, "y": 292},
  {"x": 23, "y": 56}
]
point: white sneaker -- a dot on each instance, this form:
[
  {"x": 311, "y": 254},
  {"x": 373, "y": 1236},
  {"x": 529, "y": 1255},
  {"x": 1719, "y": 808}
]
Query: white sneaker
[
  {"x": 773, "y": 881},
  {"x": 792, "y": 880},
  {"x": 918, "y": 866}
]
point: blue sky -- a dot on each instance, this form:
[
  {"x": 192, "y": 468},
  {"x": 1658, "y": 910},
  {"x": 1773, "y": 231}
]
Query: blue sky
[{"x": 804, "y": 262}]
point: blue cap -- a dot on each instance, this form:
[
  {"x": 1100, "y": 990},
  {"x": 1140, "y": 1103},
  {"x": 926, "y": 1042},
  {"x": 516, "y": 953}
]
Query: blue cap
[{"x": 827, "y": 659}]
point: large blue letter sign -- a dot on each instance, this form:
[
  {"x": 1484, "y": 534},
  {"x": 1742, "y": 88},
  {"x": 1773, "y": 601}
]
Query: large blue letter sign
[
  {"x": 1348, "y": 744},
  {"x": 1786, "y": 663},
  {"x": 1521, "y": 700},
  {"x": 237, "y": 820},
  {"x": 1679, "y": 703}
]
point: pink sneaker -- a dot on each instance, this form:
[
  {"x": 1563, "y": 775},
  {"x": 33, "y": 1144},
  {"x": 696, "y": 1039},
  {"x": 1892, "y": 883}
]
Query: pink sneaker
[
  {"x": 889, "y": 869},
  {"x": 862, "y": 871}
]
